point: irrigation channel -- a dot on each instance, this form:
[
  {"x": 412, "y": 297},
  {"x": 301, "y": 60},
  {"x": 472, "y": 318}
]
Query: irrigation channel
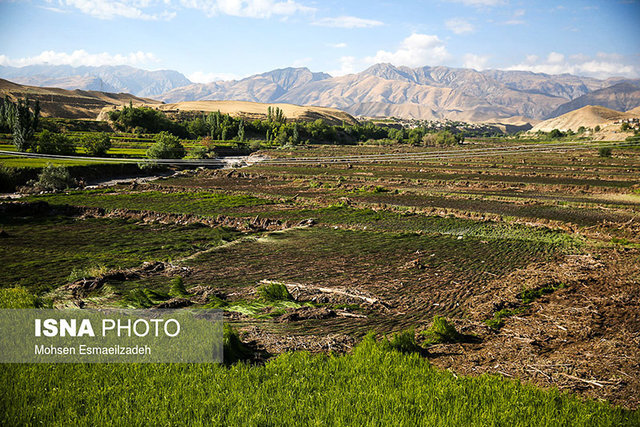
[{"x": 242, "y": 161}]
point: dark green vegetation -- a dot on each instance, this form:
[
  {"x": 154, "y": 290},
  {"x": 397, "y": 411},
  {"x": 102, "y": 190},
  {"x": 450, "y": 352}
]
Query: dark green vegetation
[
  {"x": 41, "y": 252},
  {"x": 374, "y": 384},
  {"x": 204, "y": 203},
  {"x": 166, "y": 146}
]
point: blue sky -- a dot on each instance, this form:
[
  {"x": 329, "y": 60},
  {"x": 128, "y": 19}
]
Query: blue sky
[{"x": 223, "y": 39}]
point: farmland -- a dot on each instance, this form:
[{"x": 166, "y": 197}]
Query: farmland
[{"x": 532, "y": 257}]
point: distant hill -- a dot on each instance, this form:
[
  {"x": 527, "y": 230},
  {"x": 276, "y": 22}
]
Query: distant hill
[
  {"x": 589, "y": 117},
  {"x": 385, "y": 90},
  {"x": 266, "y": 87},
  {"x": 105, "y": 79},
  {"x": 72, "y": 104},
  {"x": 621, "y": 97},
  {"x": 255, "y": 110}
]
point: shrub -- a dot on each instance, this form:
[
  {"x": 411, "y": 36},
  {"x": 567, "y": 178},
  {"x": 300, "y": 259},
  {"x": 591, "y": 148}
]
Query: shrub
[
  {"x": 555, "y": 133},
  {"x": 274, "y": 292},
  {"x": 96, "y": 144},
  {"x": 166, "y": 146},
  {"x": 54, "y": 178},
  {"x": 604, "y": 151},
  {"x": 441, "y": 331},
  {"x": 53, "y": 143}
]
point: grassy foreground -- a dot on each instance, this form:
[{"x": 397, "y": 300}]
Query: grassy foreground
[{"x": 374, "y": 385}]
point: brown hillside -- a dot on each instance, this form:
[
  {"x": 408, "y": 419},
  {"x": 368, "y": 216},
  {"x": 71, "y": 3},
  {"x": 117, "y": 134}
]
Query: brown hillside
[
  {"x": 69, "y": 104},
  {"x": 589, "y": 117},
  {"x": 255, "y": 110}
]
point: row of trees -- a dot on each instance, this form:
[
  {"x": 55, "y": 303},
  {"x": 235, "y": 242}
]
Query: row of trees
[
  {"x": 21, "y": 120},
  {"x": 275, "y": 129}
]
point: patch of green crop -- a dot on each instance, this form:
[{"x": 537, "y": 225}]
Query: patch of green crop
[
  {"x": 274, "y": 292},
  {"x": 497, "y": 321},
  {"x": 404, "y": 342},
  {"x": 441, "y": 331},
  {"x": 373, "y": 385},
  {"x": 529, "y": 295},
  {"x": 42, "y": 252},
  {"x": 195, "y": 203},
  {"x": 20, "y": 298}
]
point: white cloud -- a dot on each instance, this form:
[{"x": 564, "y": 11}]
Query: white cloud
[
  {"x": 516, "y": 19},
  {"x": 477, "y": 62},
  {"x": 602, "y": 66},
  {"x": 248, "y": 8},
  {"x": 203, "y": 77},
  {"x": 459, "y": 26},
  {"x": 347, "y": 66},
  {"x": 415, "y": 51},
  {"x": 80, "y": 57},
  {"x": 166, "y": 9},
  {"x": 337, "y": 45},
  {"x": 106, "y": 9},
  {"x": 555, "y": 58},
  {"x": 348, "y": 22}
]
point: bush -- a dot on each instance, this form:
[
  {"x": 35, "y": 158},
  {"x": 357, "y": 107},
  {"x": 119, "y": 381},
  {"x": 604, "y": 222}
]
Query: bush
[
  {"x": 96, "y": 144},
  {"x": 53, "y": 143},
  {"x": 54, "y": 178},
  {"x": 555, "y": 133},
  {"x": 274, "y": 292},
  {"x": 166, "y": 146},
  {"x": 441, "y": 331},
  {"x": 604, "y": 151}
]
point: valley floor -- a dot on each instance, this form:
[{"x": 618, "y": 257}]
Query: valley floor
[{"x": 533, "y": 257}]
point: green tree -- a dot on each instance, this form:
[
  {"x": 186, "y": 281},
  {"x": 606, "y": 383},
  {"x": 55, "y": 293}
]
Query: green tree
[
  {"x": 25, "y": 123},
  {"x": 167, "y": 146},
  {"x": 96, "y": 144},
  {"x": 555, "y": 133},
  {"x": 295, "y": 137},
  {"x": 52, "y": 143},
  {"x": 241, "y": 131}
]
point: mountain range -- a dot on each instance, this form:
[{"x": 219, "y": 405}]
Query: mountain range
[
  {"x": 381, "y": 90},
  {"x": 114, "y": 79}
]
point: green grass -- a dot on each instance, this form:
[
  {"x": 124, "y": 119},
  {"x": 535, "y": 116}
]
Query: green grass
[
  {"x": 19, "y": 298},
  {"x": 40, "y": 253},
  {"x": 497, "y": 321},
  {"x": 529, "y": 295},
  {"x": 374, "y": 385},
  {"x": 195, "y": 203},
  {"x": 22, "y": 162}
]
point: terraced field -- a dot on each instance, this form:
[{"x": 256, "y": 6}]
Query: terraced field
[{"x": 534, "y": 257}]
